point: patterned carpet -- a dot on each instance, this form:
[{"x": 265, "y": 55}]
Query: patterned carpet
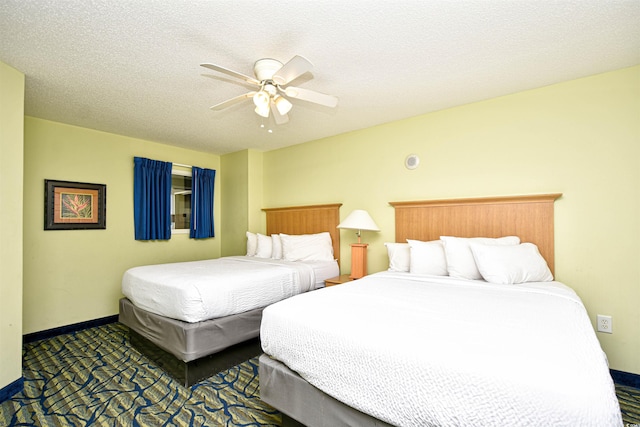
[
  {"x": 629, "y": 399},
  {"x": 93, "y": 377}
]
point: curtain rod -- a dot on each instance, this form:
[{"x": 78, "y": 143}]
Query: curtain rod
[{"x": 183, "y": 166}]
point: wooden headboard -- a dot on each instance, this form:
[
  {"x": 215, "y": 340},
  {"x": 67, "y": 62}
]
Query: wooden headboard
[
  {"x": 528, "y": 217},
  {"x": 306, "y": 220}
]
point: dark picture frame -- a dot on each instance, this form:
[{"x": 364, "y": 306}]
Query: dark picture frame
[{"x": 72, "y": 205}]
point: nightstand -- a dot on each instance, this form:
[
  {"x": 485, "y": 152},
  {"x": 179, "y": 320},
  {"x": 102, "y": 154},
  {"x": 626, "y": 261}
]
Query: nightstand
[{"x": 343, "y": 278}]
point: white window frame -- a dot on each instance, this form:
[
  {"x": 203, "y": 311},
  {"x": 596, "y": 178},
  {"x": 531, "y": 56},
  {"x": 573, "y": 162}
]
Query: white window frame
[{"x": 178, "y": 172}]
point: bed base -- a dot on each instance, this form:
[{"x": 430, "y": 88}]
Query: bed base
[
  {"x": 190, "y": 352},
  {"x": 194, "y": 371},
  {"x": 302, "y": 404}
]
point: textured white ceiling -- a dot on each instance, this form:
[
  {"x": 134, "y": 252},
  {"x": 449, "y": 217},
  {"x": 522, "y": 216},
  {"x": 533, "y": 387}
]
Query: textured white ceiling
[{"x": 132, "y": 67}]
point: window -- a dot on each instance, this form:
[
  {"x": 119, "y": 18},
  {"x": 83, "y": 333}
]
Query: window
[
  {"x": 170, "y": 200},
  {"x": 180, "y": 200}
]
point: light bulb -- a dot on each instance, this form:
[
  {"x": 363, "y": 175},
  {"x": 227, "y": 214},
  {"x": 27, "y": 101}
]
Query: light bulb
[
  {"x": 282, "y": 104},
  {"x": 261, "y": 99},
  {"x": 262, "y": 110}
]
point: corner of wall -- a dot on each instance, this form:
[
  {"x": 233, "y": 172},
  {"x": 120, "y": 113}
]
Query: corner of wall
[
  {"x": 234, "y": 200},
  {"x": 11, "y": 225}
]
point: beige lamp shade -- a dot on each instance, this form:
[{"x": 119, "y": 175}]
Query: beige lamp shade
[{"x": 359, "y": 220}]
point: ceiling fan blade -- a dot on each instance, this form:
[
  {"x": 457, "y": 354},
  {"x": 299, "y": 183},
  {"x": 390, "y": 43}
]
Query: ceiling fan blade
[
  {"x": 279, "y": 118},
  {"x": 312, "y": 96},
  {"x": 232, "y": 101},
  {"x": 231, "y": 73},
  {"x": 293, "y": 69}
]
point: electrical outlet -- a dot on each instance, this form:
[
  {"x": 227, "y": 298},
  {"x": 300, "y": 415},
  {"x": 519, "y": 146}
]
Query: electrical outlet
[{"x": 605, "y": 324}]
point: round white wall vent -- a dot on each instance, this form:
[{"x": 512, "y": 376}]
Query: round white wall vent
[{"x": 412, "y": 161}]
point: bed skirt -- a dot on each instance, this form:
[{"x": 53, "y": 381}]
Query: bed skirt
[
  {"x": 286, "y": 391},
  {"x": 192, "y": 351}
]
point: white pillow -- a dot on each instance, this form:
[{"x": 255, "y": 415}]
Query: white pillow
[
  {"x": 399, "y": 256},
  {"x": 277, "y": 246},
  {"x": 427, "y": 258},
  {"x": 264, "y": 248},
  {"x": 252, "y": 243},
  {"x": 307, "y": 247},
  {"x": 511, "y": 264},
  {"x": 460, "y": 262}
]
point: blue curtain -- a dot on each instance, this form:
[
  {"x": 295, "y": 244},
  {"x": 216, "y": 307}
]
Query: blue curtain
[
  {"x": 152, "y": 199},
  {"x": 202, "y": 183}
]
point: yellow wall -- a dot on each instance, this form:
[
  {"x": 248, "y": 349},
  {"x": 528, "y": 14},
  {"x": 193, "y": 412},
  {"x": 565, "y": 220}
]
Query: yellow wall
[
  {"x": 580, "y": 138},
  {"x": 234, "y": 207},
  {"x": 254, "y": 194},
  {"x": 73, "y": 276},
  {"x": 11, "y": 168},
  {"x": 241, "y": 199}
]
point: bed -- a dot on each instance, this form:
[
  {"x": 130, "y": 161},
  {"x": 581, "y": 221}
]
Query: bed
[
  {"x": 414, "y": 347},
  {"x": 193, "y": 330}
]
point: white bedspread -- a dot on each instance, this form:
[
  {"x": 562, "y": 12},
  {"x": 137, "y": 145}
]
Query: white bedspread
[
  {"x": 427, "y": 351},
  {"x": 201, "y": 290}
]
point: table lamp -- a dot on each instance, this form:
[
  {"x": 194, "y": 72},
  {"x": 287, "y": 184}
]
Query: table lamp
[{"x": 359, "y": 220}]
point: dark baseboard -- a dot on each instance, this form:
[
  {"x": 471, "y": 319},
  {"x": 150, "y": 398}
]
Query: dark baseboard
[
  {"x": 11, "y": 389},
  {"x": 50, "y": 333},
  {"x": 625, "y": 378}
]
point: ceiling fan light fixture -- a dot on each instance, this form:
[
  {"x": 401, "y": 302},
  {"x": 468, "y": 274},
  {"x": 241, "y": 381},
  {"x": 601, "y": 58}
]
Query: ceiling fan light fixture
[
  {"x": 270, "y": 89},
  {"x": 282, "y": 104},
  {"x": 261, "y": 99},
  {"x": 262, "y": 110}
]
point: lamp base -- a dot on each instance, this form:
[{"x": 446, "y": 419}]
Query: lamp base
[{"x": 358, "y": 260}]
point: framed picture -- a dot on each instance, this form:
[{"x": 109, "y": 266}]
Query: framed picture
[{"x": 74, "y": 205}]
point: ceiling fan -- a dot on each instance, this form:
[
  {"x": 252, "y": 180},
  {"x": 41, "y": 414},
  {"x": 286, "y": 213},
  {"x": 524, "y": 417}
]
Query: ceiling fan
[{"x": 272, "y": 78}]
